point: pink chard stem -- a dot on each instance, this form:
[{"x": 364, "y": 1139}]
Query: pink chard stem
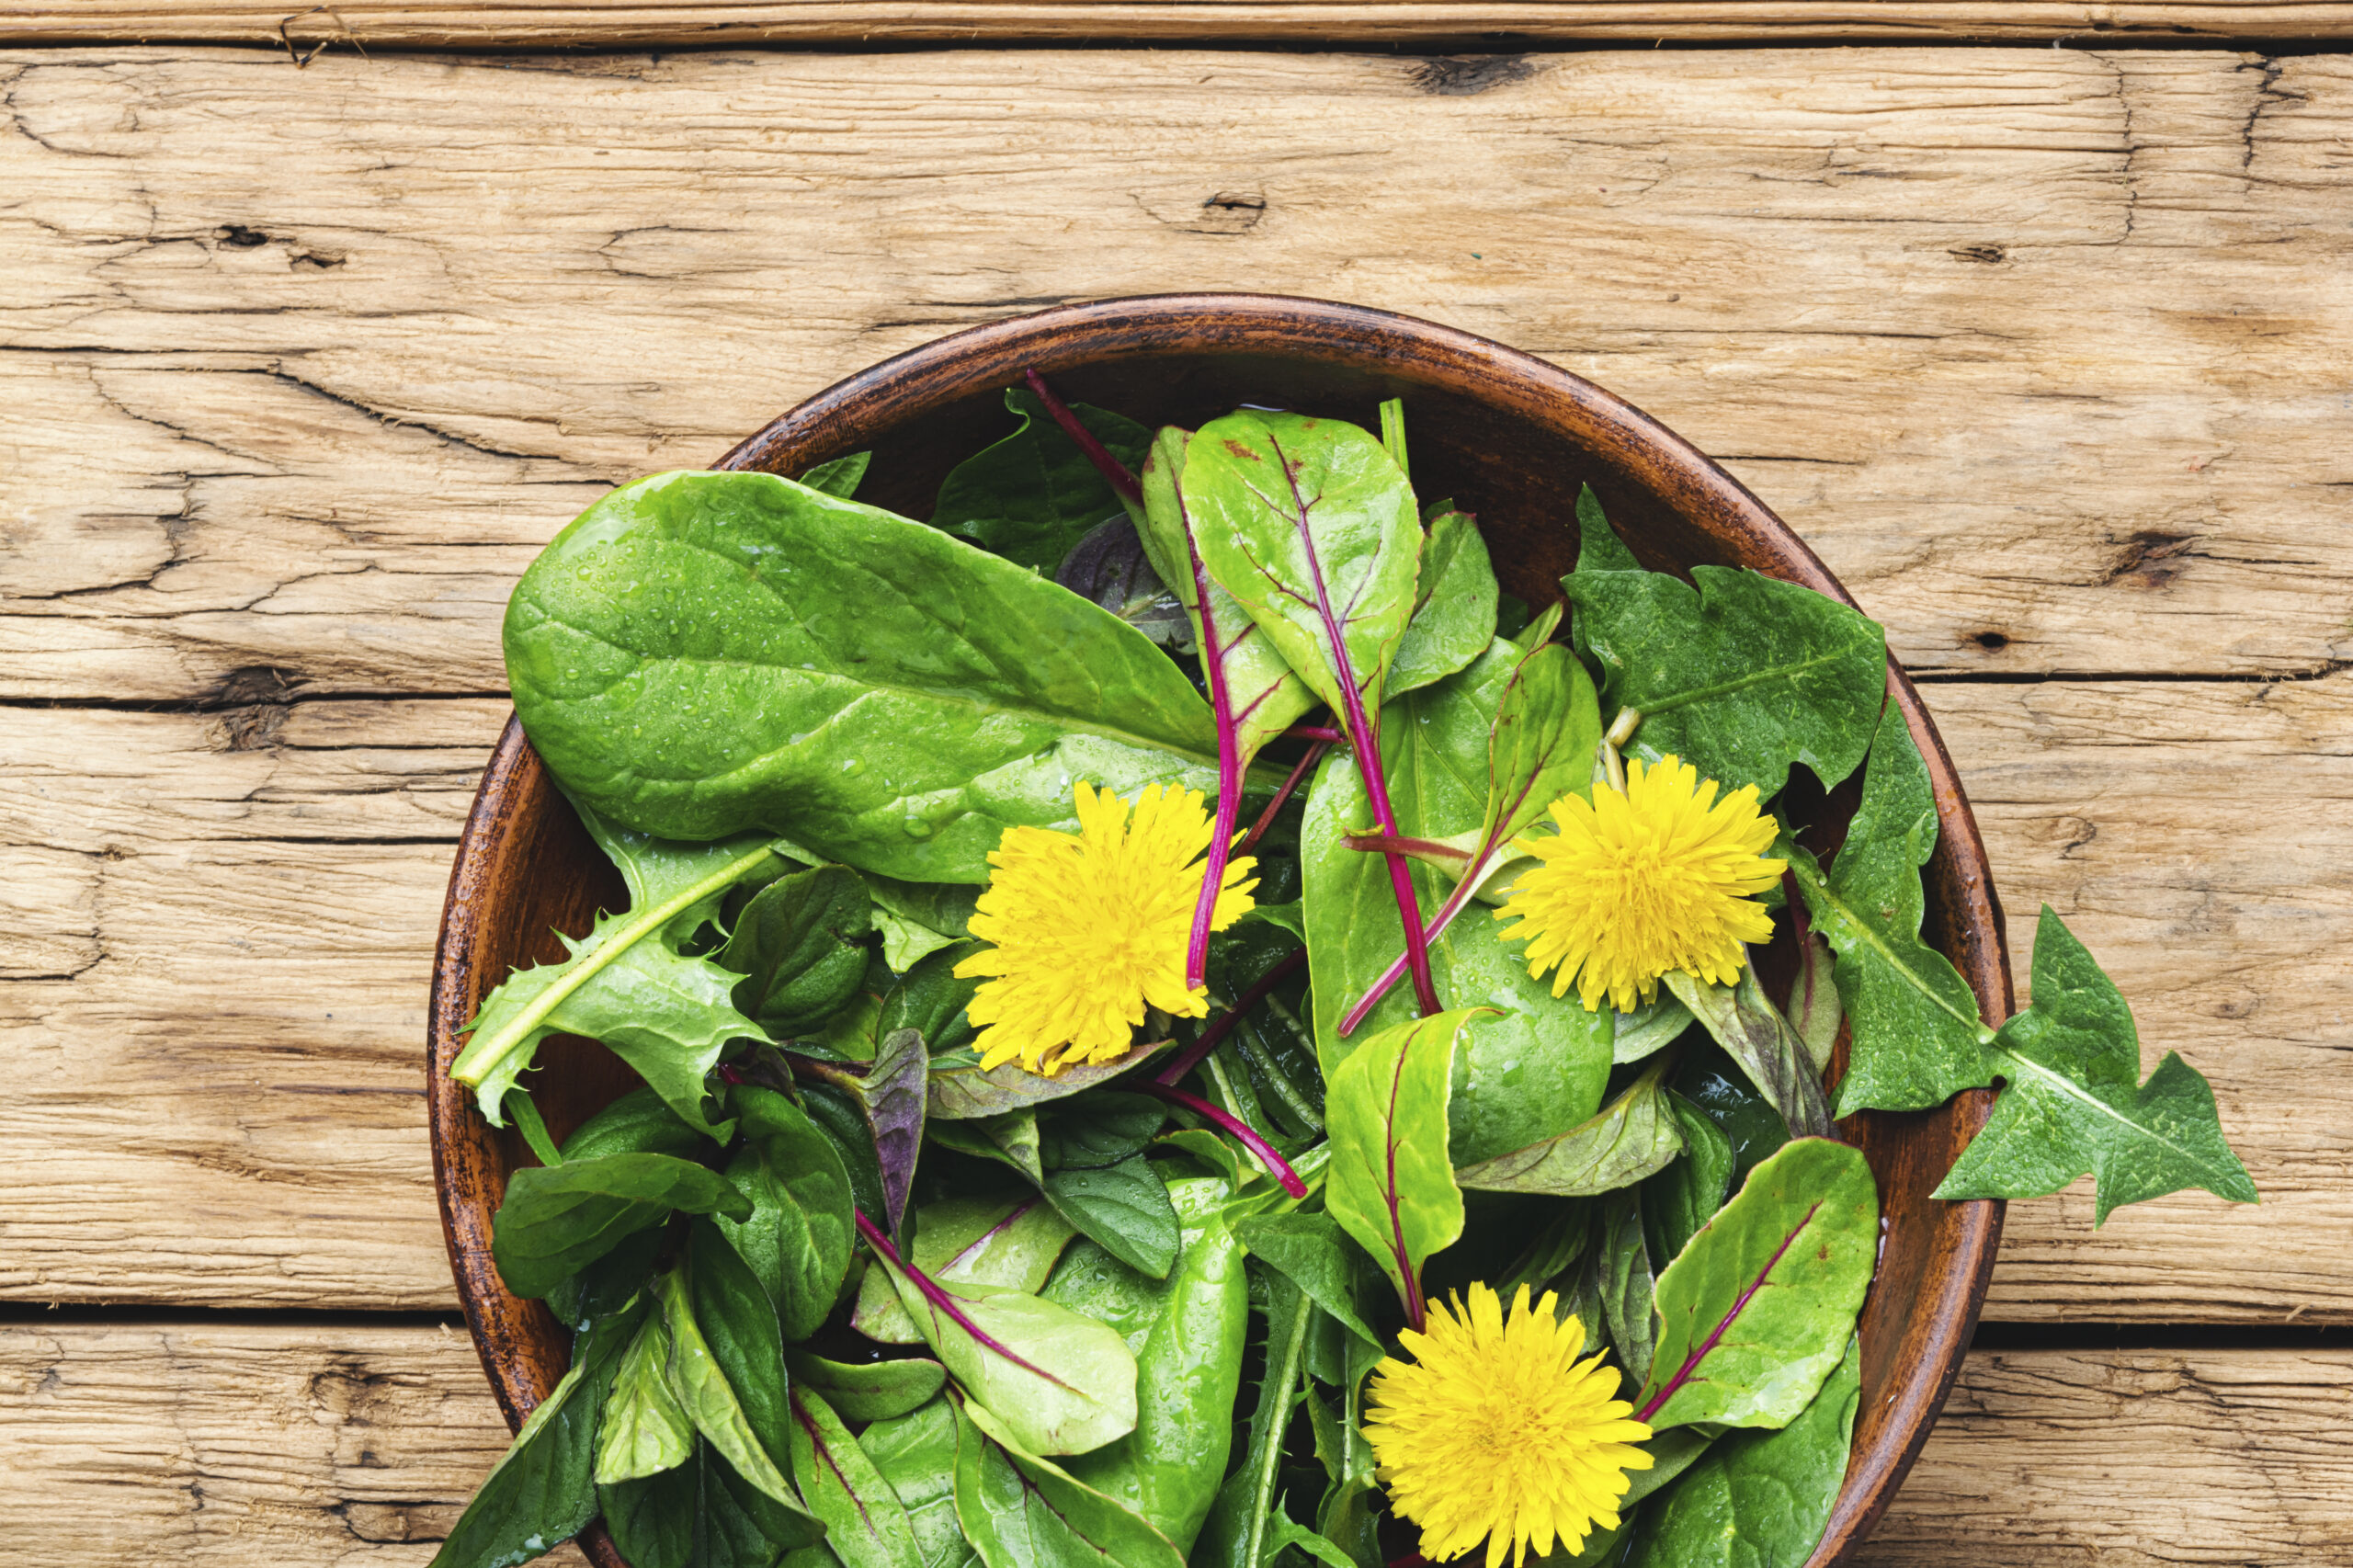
[
  {"x": 1193, "y": 1055},
  {"x": 1234, "y": 1126},
  {"x": 1455, "y": 904},
  {"x": 1305, "y": 765},
  {"x": 1324, "y": 732},
  {"x": 1111, "y": 468}
]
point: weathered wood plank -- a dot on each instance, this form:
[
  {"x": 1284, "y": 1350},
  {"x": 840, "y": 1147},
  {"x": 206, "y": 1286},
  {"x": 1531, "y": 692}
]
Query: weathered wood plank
[
  {"x": 226, "y": 1446},
  {"x": 614, "y": 24},
  {"x": 2041, "y": 349},
  {"x": 219, "y": 961}
]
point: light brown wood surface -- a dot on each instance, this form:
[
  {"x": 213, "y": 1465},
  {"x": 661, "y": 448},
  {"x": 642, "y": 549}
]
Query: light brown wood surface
[
  {"x": 2044, "y": 351},
  {"x": 224, "y": 1447},
  {"x": 357, "y": 24}
]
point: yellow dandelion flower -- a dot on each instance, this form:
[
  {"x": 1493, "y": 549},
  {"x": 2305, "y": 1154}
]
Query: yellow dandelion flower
[
  {"x": 1631, "y": 887},
  {"x": 1500, "y": 1432},
  {"x": 1087, "y": 929}
]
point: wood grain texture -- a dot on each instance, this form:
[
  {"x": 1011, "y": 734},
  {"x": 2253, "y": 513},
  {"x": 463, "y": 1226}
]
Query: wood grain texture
[
  {"x": 2041, "y": 351},
  {"x": 610, "y": 24},
  {"x": 224, "y": 1447},
  {"x": 218, "y": 958}
]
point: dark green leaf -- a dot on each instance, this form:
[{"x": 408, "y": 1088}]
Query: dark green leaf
[
  {"x": 839, "y": 476},
  {"x": 840, "y": 1116},
  {"x": 541, "y": 1491},
  {"x": 2072, "y": 1102},
  {"x": 1687, "y": 1194},
  {"x": 1756, "y": 1311},
  {"x": 1283, "y": 1530},
  {"x": 1316, "y": 1256},
  {"x": 603, "y": 1287},
  {"x": 637, "y": 1123},
  {"x": 1101, "y": 1130},
  {"x": 1754, "y": 1129},
  {"x": 865, "y": 1524},
  {"x": 738, "y": 1325},
  {"x": 1918, "y": 1038},
  {"x": 869, "y": 1391},
  {"x": 1309, "y": 524},
  {"x": 652, "y": 1518},
  {"x": 1759, "y": 1499},
  {"x": 701, "y": 1387},
  {"x": 931, "y": 1001},
  {"x": 1188, "y": 1369},
  {"x": 1565, "y": 1238},
  {"x": 557, "y": 1220},
  {"x": 799, "y": 947},
  {"x": 799, "y": 1239},
  {"x": 1740, "y": 676},
  {"x": 1062, "y": 1382},
  {"x": 1111, "y": 568},
  {"x": 1124, "y": 1207},
  {"x": 1034, "y": 495},
  {"x": 701, "y": 1514},
  {"x": 1624, "y": 1279},
  {"x": 1389, "y": 1185},
  {"x": 1628, "y": 1139},
  {"x": 1020, "y": 1511},
  {"x": 914, "y": 1450},
  {"x": 1454, "y": 605},
  {"x": 701, "y": 652},
  {"x": 1754, "y": 1033}
]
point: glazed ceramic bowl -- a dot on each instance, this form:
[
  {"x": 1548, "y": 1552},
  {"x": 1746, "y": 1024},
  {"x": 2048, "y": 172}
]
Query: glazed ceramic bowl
[{"x": 1509, "y": 434}]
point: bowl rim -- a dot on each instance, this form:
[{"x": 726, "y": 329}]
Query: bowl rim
[{"x": 984, "y": 357}]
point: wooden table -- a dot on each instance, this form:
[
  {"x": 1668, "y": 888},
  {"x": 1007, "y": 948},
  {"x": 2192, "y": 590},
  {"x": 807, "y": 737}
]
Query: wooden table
[{"x": 2045, "y": 349}]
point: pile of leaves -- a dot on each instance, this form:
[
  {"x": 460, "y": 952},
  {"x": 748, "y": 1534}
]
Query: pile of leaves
[{"x": 841, "y": 1295}]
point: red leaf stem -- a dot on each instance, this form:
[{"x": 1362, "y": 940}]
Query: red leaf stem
[
  {"x": 1212, "y": 1036},
  {"x": 1324, "y": 732},
  {"x": 1234, "y": 1126},
  {"x": 1109, "y": 467},
  {"x": 1692, "y": 1362},
  {"x": 1299, "y": 770},
  {"x": 940, "y": 1299}
]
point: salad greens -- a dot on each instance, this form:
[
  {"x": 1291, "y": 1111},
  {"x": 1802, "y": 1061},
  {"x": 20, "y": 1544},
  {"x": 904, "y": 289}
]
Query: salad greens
[{"x": 861, "y": 1279}]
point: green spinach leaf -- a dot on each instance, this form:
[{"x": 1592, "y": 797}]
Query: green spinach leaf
[
  {"x": 839, "y": 476},
  {"x": 1686, "y": 1194},
  {"x": 915, "y": 1451},
  {"x": 1755, "y": 1312},
  {"x": 1315, "y": 1254},
  {"x": 869, "y": 1390},
  {"x": 557, "y": 1220},
  {"x": 1033, "y": 495},
  {"x": 637, "y": 1123},
  {"x": 701, "y": 1385},
  {"x": 699, "y": 653},
  {"x": 865, "y": 1524},
  {"x": 1124, "y": 1207},
  {"x": 1623, "y": 1276},
  {"x": 1454, "y": 604},
  {"x": 644, "y": 1430},
  {"x": 1629, "y": 1138},
  {"x": 799, "y": 1238},
  {"x": 800, "y": 945},
  {"x": 1021, "y": 1511}
]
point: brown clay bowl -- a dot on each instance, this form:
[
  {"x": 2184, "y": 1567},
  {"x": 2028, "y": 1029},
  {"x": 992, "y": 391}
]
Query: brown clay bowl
[{"x": 1509, "y": 434}]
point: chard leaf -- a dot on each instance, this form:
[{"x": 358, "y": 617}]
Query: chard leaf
[
  {"x": 1759, "y": 1499},
  {"x": 915, "y": 1451},
  {"x": 557, "y": 1220},
  {"x": 966, "y": 1241},
  {"x": 541, "y": 1491},
  {"x": 1062, "y": 1383},
  {"x": 800, "y": 1236},
  {"x": 1530, "y": 1074},
  {"x": 1238, "y": 1531},
  {"x": 1814, "y": 1011},
  {"x": 839, "y": 476},
  {"x": 1738, "y": 674},
  {"x": 1918, "y": 1038},
  {"x": 1755, "y": 1034},
  {"x": 1654, "y": 1025},
  {"x": 645, "y": 1430},
  {"x": 2073, "y": 1103},
  {"x": 1189, "y": 1369},
  {"x": 1624, "y": 1279},
  {"x": 1265, "y": 693},
  {"x": 1629, "y": 1138},
  {"x": 1021, "y": 1511},
  {"x": 959, "y": 1091},
  {"x": 1314, "y": 1254},
  {"x": 1033, "y": 495},
  {"x": 1310, "y": 524},
  {"x": 869, "y": 1390},
  {"x": 800, "y": 945},
  {"x": 865, "y": 1524},
  {"x": 1391, "y": 1186},
  {"x": 1687, "y": 1194},
  {"x": 1546, "y": 729},
  {"x": 1454, "y": 604},
  {"x": 700, "y": 1386},
  {"x": 1757, "y": 1310},
  {"x": 702, "y": 652}
]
